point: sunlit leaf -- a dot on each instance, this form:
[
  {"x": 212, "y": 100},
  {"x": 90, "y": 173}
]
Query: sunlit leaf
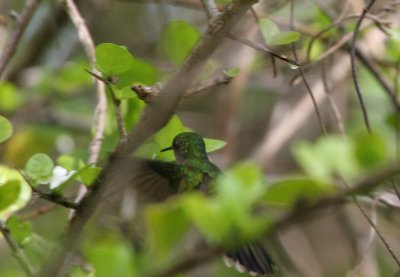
[
  {"x": 178, "y": 39},
  {"x": 6, "y": 129},
  {"x": 113, "y": 59},
  {"x": 9, "y": 193},
  {"x": 16, "y": 183}
]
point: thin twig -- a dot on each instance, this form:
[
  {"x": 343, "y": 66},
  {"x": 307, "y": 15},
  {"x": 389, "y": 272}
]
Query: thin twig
[
  {"x": 20, "y": 26},
  {"x": 154, "y": 117},
  {"x": 118, "y": 114},
  {"x": 37, "y": 212},
  {"x": 262, "y": 48},
  {"x": 101, "y": 107},
  {"x": 56, "y": 199},
  {"x": 149, "y": 93},
  {"x": 303, "y": 77},
  {"x": 373, "y": 225},
  {"x": 353, "y": 65},
  {"x": 15, "y": 249}
]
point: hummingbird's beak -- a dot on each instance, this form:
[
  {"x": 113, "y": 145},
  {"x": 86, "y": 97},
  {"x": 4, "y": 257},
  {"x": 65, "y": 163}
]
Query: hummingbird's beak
[{"x": 166, "y": 149}]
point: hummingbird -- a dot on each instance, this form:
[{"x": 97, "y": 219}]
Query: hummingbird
[{"x": 155, "y": 181}]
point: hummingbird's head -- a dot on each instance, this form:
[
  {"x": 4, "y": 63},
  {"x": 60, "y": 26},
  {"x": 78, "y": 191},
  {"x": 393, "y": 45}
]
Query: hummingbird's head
[{"x": 187, "y": 146}]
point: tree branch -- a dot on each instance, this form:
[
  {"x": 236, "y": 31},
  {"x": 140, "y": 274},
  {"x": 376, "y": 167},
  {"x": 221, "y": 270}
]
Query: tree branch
[
  {"x": 22, "y": 22},
  {"x": 154, "y": 117}
]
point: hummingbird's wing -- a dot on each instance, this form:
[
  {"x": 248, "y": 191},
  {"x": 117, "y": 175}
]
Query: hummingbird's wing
[{"x": 152, "y": 181}]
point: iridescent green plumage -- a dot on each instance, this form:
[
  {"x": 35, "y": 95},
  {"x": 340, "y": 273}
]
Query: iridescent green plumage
[{"x": 157, "y": 180}]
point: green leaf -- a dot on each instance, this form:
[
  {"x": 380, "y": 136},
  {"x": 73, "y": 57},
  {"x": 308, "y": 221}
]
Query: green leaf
[
  {"x": 371, "y": 150},
  {"x": 327, "y": 157},
  {"x": 6, "y": 129},
  {"x": 214, "y": 144},
  {"x": 111, "y": 257},
  {"x": 141, "y": 72},
  {"x": 289, "y": 192},
  {"x": 268, "y": 29},
  {"x": 21, "y": 231},
  {"x": 113, "y": 59},
  {"x": 232, "y": 72},
  {"x": 284, "y": 38},
  {"x": 161, "y": 140},
  {"x": 178, "y": 39},
  {"x": 89, "y": 174},
  {"x": 167, "y": 224},
  {"x": 10, "y": 99},
  {"x": 124, "y": 93},
  {"x": 39, "y": 167},
  {"x": 208, "y": 216},
  {"x": 9, "y": 193}
]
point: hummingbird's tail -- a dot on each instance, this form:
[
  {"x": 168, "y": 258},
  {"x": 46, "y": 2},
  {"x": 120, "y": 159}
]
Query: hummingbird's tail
[{"x": 252, "y": 258}]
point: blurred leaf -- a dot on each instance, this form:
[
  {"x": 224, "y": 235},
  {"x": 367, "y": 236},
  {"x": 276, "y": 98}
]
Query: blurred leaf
[
  {"x": 9, "y": 193},
  {"x": 272, "y": 35},
  {"x": 8, "y": 175},
  {"x": 237, "y": 191},
  {"x": 288, "y": 192},
  {"x": 268, "y": 29},
  {"x": 327, "y": 157},
  {"x": 284, "y": 38},
  {"x": 28, "y": 141},
  {"x": 6, "y": 129},
  {"x": 39, "y": 167},
  {"x": 111, "y": 257},
  {"x": 214, "y": 144},
  {"x": 124, "y": 93},
  {"x": 89, "y": 174},
  {"x": 371, "y": 150},
  {"x": 167, "y": 224},
  {"x": 178, "y": 39},
  {"x": 113, "y": 59},
  {"x": 10, "y": 99},
  {"x": 208, "y": 216},
  {"x": 21, "y": 231},
  {"x": 232, "y": 72}
]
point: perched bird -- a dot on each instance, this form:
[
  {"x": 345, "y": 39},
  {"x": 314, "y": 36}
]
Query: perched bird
[{"x": 157, "y": 180}]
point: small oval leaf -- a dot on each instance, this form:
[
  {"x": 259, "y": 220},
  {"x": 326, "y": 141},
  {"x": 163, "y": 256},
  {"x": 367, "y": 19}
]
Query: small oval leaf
[
  {"x": 268, "y": 29},
  {"x": 284, "y": 38},
  {"x": 39, "y": 167},
  {"x": 113, "y": 59}
]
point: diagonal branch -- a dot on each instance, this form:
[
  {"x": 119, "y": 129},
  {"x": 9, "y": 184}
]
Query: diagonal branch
[{"x": 154, "y": 117}]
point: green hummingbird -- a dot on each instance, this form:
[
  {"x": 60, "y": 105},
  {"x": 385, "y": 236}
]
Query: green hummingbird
[{"x": 156, "y": 180}]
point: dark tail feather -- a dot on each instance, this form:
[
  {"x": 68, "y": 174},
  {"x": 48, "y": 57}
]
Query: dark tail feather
[{"x": 251, "y": 258}]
